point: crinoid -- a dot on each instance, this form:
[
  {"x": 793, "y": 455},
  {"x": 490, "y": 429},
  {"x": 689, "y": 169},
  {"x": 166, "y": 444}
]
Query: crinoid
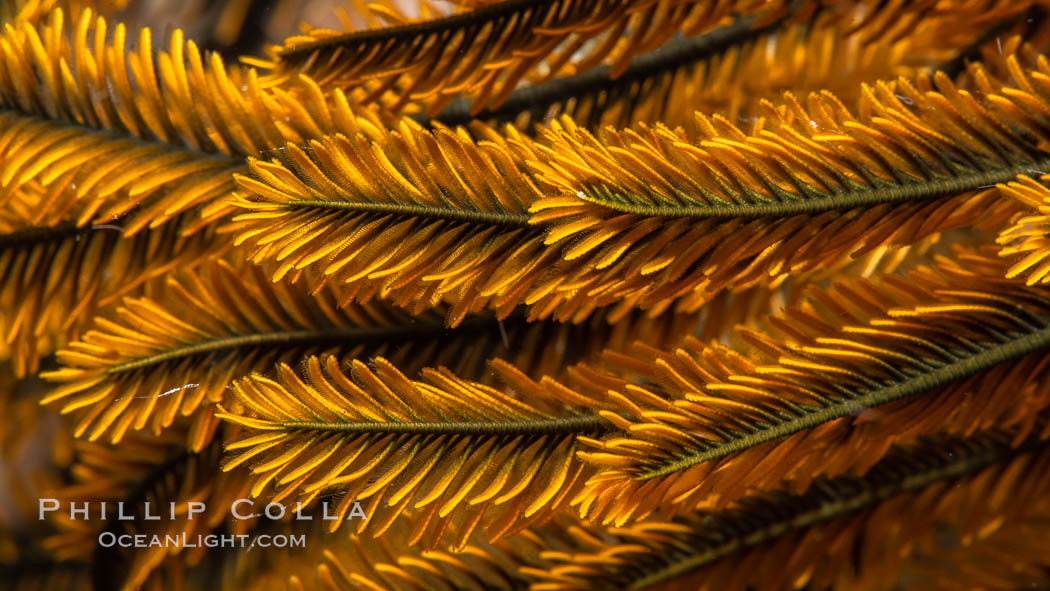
[{"x": 539, "y": 295}]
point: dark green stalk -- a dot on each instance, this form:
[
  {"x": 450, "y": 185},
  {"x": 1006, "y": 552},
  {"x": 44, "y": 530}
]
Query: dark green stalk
[
  {"x": 863, "y": 196},
  {"x": 837, "y": 497},
  {"x": 535, "y": 427},
  {"x": 992, "y": 355},
  {"x": 520, "y": 220}
]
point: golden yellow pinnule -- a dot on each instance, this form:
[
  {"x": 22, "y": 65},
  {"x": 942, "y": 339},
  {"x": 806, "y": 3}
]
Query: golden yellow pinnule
[
  {"x": 788, "y": 540},
  {"x": 488, "y": 50},
  {"x": 1027, "y": 242},
  {"x": 383, "y": 216},
  {"x": 153, "y": 362},
  {"x": 638, "y": 218},
  {"x": 716, "y": 422},
  {"x": 454, "y": 450}
]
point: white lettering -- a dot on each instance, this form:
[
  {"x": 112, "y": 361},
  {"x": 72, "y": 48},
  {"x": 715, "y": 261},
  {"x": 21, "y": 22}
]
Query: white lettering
[
  {"x": 74, "y": 511},
  {"x": 45, "y": 505},
  {"x": 357, "y": 511},
  {"x": 194, "y": 508},
  {"x": 233, "y": 509},
  {"x": 271, "y": 516}
]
